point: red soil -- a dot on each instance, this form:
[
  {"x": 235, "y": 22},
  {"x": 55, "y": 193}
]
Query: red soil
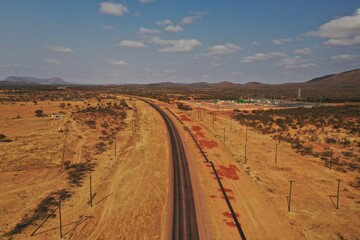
[
  {"x": 231, "y": 224},
  {"x": 228, "y": 172},
  {"x": 184, "y": 118},
  {"x": 226, "y": 190},
  {"x": 196, "y": 128},
  {"x": 208, "y": 144},
  {"x": 229, "y": 197},
  {"x": 198, "y": 132},
  {"x": 228, "y": 214}
]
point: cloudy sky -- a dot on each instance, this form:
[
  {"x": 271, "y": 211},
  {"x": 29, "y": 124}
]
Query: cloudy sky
[{"x": 143, "y": 41}]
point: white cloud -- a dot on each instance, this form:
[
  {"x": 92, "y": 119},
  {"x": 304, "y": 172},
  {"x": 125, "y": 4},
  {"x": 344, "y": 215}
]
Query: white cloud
[
  {"x": 143, "y": 30},
  {"x": 302, "y": 51},
  {"x": 181, "y": 45},
  {"x": 281, "y": 41},
  {"x": 172, "y": 28},
  {"x": 224, "y": 49},
  {"x": 112, "y": 62},
  {"x": 170, "y": 71},
  {"x": 9, "y": 65},
  {"x": 255, "y": 43},
  {"x": 296, "y": 62},
  {"x": 262, "y": 57},
  {"x": 193, "y": 57},
  {"x": 164, "y": 22},
  {"x": 191, "y": 19},
  {"x": 60, "y": 49},
  {"x": 345, "y": 57},
  {"x": 344, "y": 31},
  {"x": 52, "y": 61},
  {"x": 146, "y": 1},
  {"x": 236, "y": 73},
  {"x": 107, "y": 27},
  {"x": 114, "y": 9},
  {"x": 132, "y": 44},
  {"x": 216, "y": 64}
]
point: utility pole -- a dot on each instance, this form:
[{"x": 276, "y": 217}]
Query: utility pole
[
  {"x": 245, "y": 155},
  {"x": 338, "y": 193},
  {"x": 60, "y": 219},
  {"x": 224, "y": 134},
  {"x": 230, "y": 123},
  {"x": 246, "y": 135},
  {"x": 115, "y": 146},
  {"x": 276, "y": 153},
  {"x": 279, "y": 138},
  {"x": 91, "y": 196},
  {"x": 289, "y": 198},
  {"x": 63, "y": 152}
]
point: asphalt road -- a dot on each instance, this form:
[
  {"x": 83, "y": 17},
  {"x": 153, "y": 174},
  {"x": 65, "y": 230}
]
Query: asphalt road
[{"x": 184, "y": 223}]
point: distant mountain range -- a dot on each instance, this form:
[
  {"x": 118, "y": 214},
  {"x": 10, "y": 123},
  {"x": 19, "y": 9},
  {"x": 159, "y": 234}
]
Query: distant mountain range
[
  {"x": 341, "y": 80},
  {"x": 31, "y": 81},
  {"x": 348, "y": 78}
]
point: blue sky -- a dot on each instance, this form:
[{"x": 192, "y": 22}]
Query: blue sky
[{"x": 144, "y": 41}]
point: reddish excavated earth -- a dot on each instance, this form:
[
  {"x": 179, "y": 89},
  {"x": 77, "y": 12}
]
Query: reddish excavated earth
[{"x": 260, "y": 188}]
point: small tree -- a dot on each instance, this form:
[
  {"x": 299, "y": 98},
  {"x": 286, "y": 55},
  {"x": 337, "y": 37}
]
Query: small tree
[
  {"x": 123, "y": 103},
  {"x": 62, "y": 105},
  {"x": 39, "y": 113}
]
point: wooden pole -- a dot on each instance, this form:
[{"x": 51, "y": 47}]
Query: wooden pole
[
  {"x": 338, "y": 193},
  {"x": 276, "y": 153},
  {"x": 60, "y": 219},
  {"x": 245, "y": 155},
  {"x": 115, "y": 146},
  {"x": 91, "y": 196},
  {"x": 224, "y": 134},
  {"x": 246, "y": 134},
  {"x": 279, "y": 138},
  {"x": 63, "y": 152},
  {"x": 289, "y": 203}
]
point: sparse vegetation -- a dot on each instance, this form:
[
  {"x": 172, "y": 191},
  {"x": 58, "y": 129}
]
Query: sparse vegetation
[
  {"x": 39, "y": 113},
  {"x": 306, "y": 129},
  {"x": 183, "y": 106},
  {"x": 77, "y": 171},
  {"x": 42, "y": 211}
]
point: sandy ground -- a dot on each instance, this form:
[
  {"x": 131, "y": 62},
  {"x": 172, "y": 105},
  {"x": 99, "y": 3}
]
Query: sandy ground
[
  {"x": 130, "y": 191},
  {"x": 29, "y": 166},
  {"x": 259, "y": 188}
]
